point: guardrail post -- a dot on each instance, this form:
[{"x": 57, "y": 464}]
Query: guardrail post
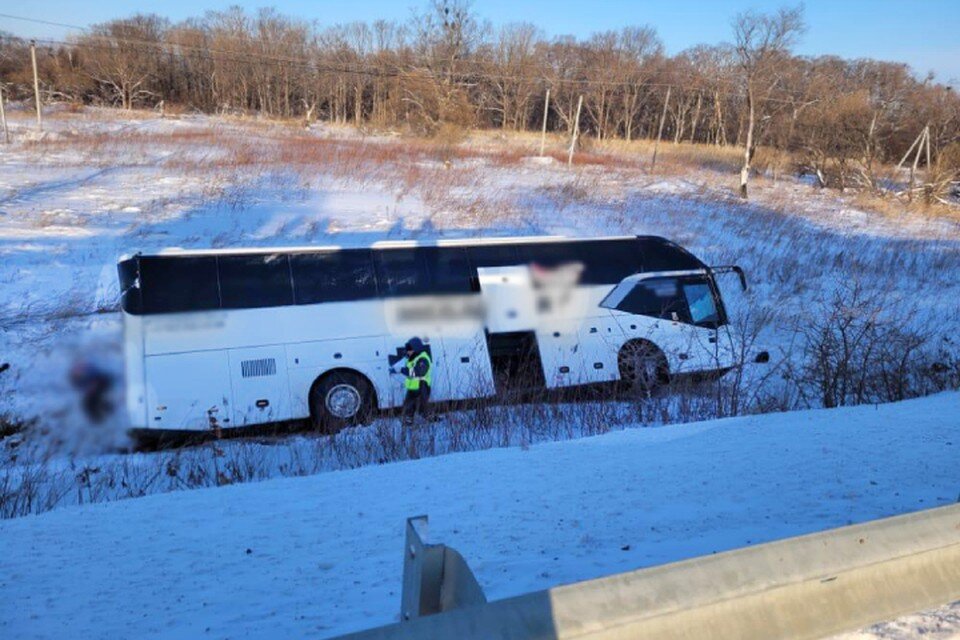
[{"x": 436, "y": 578}]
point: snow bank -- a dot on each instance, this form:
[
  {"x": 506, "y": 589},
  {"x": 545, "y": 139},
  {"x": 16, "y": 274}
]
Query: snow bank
[{"x": 319, "y": 556}]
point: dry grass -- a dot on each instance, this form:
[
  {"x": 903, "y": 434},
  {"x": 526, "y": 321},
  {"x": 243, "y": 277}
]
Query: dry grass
[{"x": 896, "y": 208}]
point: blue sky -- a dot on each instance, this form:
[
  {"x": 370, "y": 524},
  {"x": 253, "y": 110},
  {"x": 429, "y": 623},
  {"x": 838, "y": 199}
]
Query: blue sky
[{"x": 922, "y": 33}]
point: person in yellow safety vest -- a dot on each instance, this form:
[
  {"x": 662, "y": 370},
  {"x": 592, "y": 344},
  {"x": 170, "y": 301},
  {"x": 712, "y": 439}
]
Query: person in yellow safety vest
[{"x": 418, "y": 379}]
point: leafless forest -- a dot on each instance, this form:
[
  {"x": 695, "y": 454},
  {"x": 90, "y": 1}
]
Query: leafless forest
[{"x": 446, "y": 70}]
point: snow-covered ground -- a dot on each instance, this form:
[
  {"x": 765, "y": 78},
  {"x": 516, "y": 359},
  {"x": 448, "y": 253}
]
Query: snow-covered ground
[
  {"x": 98, "y": 184},
  {"x": 321, "y": 555}
]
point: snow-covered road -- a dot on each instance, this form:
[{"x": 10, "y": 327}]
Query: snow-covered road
[{"x": 321, "y": 555}]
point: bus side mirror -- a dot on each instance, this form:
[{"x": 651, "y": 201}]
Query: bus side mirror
[{"x": 728, "y": 268}]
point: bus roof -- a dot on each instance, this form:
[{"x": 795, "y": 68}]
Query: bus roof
[
  {"x": 381, "y": 244},
  {"x": 178, "y": 280}
]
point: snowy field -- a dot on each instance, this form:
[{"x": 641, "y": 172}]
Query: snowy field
[
  {"x": 97, "y": 185},
  {"x": 526, "y": 511},
  {"x": 321, "y": 555}
]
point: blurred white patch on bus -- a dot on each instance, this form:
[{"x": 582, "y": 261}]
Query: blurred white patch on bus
[
  {"x": 186, "y": 322},
  {"x": 453, "y": 315}
]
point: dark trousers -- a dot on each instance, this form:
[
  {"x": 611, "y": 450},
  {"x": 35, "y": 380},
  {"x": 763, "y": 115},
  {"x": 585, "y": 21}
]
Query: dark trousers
[
  {"x": 416, "y": 402},
  {"x": 96, "y": 402}
]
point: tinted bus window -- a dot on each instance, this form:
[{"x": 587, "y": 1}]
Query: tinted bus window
[
  {"x": 608, "y": 261},
  {"x": 497, "y": 255},
  {"x": 662, "y": 255},
  {"x": 549, "y": 254},
  {"x": 334, "y": 276},
  {"x": 172, "y": 284},
  {"x": 449, "y": 269},
  {"x": 402, "y": 272},
  {"x": 658, "y": 298},
  {"x": 255, "y": 280},
  {"x": 603, "y": 261}
]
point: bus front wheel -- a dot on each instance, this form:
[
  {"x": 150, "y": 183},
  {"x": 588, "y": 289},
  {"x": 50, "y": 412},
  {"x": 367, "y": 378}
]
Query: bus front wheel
[
  {"x": 643, "y": 367},
  {"x": 341, "y": 399}
]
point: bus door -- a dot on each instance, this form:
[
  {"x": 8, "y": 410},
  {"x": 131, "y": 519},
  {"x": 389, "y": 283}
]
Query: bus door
[
  {"x": 508, "y": 299},
  {"x": 463, "y": 368},
  {"x": 511, "y": 306}
]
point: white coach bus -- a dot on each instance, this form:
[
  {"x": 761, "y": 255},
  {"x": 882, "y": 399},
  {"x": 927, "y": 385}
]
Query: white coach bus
[{"x": 232, "y": 338}]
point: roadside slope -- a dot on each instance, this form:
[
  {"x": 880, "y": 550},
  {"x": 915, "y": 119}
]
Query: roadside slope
[{"x": 320, "y": 555}]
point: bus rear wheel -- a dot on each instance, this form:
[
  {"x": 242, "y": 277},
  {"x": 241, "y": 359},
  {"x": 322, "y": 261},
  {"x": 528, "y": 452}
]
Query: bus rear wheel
[
  {"x": 341, "y": 399},
  {"x": 643, "y": 367}
]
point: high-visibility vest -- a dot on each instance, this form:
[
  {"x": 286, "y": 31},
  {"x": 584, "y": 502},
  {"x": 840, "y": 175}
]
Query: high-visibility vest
[{"x": 412, "y": 382}]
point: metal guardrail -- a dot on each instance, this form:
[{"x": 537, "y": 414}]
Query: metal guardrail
[
  {"x": 805, "y": 587},
  {"x": 436, "y": 578}
]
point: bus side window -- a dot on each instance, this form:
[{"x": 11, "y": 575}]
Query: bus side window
[
  {"x": 335, "y": 276},
  {"x": 402, "y": 272},
  {"x": 658, "y": 298},
  {"x": 703, "y": 309},
  {"x": 550, "y": 255},
  {"x": 659, "y": 254},
  {"x": 495, "y": 255},
  {"x": 607, "y": 261},
  {"x": 449, "y": 269},
  {"x": 255, "y": 280},
  {"x": 179, "y": 284}
]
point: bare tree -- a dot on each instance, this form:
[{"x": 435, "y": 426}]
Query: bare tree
[
  {"x": 642, "y": 53},
  {"x": 123, "y": 56},
  {"x": 565, "y": 74},
  {"x": 444, "y": 69},
  {"x": 513, "y": 74},
  {"x": 762, "y": 42},
  {"x": 446, "y": 36}
]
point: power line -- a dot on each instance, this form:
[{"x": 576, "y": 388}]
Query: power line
[
  {"x": 314, "y": 65},
  {"x": 317, "y": 67},
  {"x": 46, "y": 22}
]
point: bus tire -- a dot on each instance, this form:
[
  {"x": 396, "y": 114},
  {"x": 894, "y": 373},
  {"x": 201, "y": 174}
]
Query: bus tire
[
  {"x": 643, "y": 367},
  {"x": 341, "y": 399}
]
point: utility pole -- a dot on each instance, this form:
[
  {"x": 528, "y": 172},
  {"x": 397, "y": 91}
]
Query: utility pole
[
  {"x": 36, "y": 83},
  {"x": 663, "y": 117},
  {"x": 927, "y": 187},
  {"x": 918, "y": 144},
  {"x": 576, "y": 131},
  {"x": 543, "y": 135},
  {"x": 3, "y": 117}
]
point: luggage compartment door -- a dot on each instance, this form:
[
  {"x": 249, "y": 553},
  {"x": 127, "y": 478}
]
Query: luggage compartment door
[
  {"x": 261, "y": 390},
  {"x": 185, "y": 389}
]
